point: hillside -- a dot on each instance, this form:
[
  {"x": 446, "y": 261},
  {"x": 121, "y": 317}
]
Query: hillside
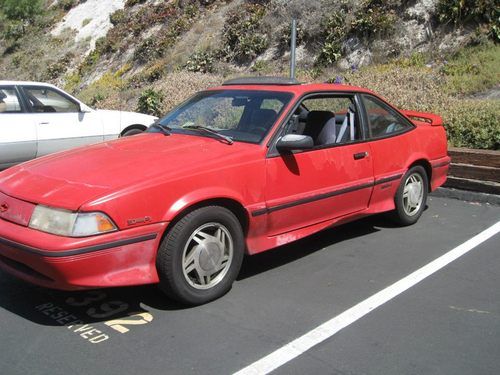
[{"x": 433, "y": 55}]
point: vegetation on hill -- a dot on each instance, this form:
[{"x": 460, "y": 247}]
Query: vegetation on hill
[{"x": 433, "y": 55}]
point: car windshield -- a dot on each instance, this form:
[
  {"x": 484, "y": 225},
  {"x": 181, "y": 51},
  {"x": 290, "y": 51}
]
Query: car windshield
[{"x": 238, "y": 115}]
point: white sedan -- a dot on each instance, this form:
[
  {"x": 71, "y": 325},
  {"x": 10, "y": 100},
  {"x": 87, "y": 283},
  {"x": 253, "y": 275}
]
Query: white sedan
[{"x": 38, "y": 118}]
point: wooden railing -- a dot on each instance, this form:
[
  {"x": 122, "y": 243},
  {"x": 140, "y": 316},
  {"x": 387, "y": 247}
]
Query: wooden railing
[{"x": 476, "y": 170}]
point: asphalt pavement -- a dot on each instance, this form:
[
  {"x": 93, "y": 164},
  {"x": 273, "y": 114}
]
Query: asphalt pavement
[{"x": 449, "y": 323}]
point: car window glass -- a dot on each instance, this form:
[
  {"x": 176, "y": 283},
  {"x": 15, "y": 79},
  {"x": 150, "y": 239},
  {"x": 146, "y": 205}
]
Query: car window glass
[
  {"x": 381, "y": 120},
  {"x": 328, "y": 120},
  {"x": 44, "y": 99},
  {"x": 9, "y": 101},
  {"x": 273, "y": 104},
  {"x": 243, "y": 115},
  {"x": 217, "y": 113}
]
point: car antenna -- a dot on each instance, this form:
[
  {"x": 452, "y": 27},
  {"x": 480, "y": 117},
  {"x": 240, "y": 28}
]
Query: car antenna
[{"x": 293, "y": 43}]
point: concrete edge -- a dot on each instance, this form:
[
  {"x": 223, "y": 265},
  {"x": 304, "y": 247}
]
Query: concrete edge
[{"x": 465, "y": 195}]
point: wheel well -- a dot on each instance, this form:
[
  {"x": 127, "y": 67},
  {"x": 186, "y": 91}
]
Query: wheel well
[
  {"x": 234, "y": 206},
  {"x": 134, "y": 126},
  {"x": 428, "y": 169}
]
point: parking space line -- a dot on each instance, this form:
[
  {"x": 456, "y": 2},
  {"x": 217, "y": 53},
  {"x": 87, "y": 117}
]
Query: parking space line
[{"x": 326, "y": 330}]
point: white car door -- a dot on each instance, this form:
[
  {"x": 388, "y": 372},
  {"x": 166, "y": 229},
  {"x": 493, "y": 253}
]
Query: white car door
[
  {"x": 60, "y": 122},
  {"x": 17, "y": 129}
]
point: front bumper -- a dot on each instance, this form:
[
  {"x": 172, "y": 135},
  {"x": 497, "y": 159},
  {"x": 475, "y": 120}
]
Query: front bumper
[{"x": 120, "y": 258}]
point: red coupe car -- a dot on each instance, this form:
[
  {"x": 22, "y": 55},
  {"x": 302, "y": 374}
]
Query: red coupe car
[{"x": 241, "y": 168}]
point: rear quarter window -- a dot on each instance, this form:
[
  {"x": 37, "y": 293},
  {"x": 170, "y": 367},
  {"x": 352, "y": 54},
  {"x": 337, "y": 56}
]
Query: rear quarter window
[{"x": 382, "y": 120}]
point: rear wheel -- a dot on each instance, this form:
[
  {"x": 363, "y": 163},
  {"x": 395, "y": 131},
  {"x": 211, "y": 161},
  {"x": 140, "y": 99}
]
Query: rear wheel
[
  {"x": 201, "y": 255},
  {"x": 411, "y": 196}
]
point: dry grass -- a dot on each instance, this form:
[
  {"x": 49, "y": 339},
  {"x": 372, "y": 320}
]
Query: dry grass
[
  {"x": 176, "y": 87},
  {"x": 417, "y": 88}
]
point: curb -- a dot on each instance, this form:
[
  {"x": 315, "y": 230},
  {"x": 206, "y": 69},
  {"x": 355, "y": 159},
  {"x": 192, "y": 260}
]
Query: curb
[{"x": 464, "y": 195}]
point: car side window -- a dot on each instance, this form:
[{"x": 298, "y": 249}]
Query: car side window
[
  {"x": 328, "y": 120},
  {"x": 9, "y": 100},
  {"x": 46, "y": 99},
  {"x": 381, "y": 120}
]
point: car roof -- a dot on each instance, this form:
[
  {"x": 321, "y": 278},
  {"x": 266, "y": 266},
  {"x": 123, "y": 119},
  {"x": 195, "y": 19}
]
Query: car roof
[
  {"x": 25, "y": 83},
  {"x": 286, "y": 85}
]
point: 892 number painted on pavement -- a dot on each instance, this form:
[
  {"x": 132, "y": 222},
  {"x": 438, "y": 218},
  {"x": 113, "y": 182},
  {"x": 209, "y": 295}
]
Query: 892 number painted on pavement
[{"x": 97, "y": 307}]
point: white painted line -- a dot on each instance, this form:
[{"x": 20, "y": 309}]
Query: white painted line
[{"x": 300, "y": 345}]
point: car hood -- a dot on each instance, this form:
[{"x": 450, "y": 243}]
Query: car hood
[{"x": 71, "y": 178}]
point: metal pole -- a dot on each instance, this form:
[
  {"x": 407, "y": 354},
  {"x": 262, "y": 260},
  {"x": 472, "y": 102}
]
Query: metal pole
[{"x": 293, "y": 43}]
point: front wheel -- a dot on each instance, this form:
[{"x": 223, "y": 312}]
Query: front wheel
[
  {"x": 411, "y": 196},
  {"x": 201, "y": 255}
]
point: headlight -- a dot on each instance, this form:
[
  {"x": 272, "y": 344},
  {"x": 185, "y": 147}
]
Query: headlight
[{"x": 70, "y": 224}]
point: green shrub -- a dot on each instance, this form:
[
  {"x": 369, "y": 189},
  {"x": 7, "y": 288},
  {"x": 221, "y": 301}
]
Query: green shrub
[
  {"x": 334, "y": 31},
  {"x": 72, "y": 82},
  {"x": 262, "y": 67},
  {"x": 66, "y": 4},
  {"x": 154, "y": 73},
  {"x": 473, "y": 124},
  {"x": 156, "y": 46},
  {"x": 206, "y": 2},
  {"x": 117, "y": 17},
  {"x": 416, "y": 59},
  {"x": 131, "y": 3},
  {"x": 24, "y": 10},
  {"x": 466, "y": 11},
  {"x": 285, "y": 36},
  {"x": 241, "y": 34},
  {"x": 373, "y": 20},
  {"x": 150, "y": 102},
  {"x": 473, "y": 69},
  {"x": 105, "y": 46},
  {"x": 13, "y": 30},
  {"x": 147, "y": 50},
  {"x": 109, "y": 84},
  {"x": 460, "y": 11},
  {"x": 89, "y": 62},
  {"x": 15, "y": 16},
  {"x": 201, "y": 61},
  {"x": 59, "y": 67}
]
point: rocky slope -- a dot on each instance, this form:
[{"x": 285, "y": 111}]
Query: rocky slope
[{"x": 110, "y": 51}]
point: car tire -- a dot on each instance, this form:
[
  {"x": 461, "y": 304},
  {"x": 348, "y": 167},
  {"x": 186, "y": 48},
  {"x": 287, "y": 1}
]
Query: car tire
[
  {"x": 411, "y": 197},
  {"x": 201, "y": 255},
  {"x": 132, "y": 131}
]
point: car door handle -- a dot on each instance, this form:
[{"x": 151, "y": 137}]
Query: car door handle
[
  {"x": 44, "y": 123},
  {"x": 360, "y": 155}
]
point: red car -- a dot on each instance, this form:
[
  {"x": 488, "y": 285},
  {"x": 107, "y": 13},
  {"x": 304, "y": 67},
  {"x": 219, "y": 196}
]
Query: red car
[{"x": 237, "y": 169}]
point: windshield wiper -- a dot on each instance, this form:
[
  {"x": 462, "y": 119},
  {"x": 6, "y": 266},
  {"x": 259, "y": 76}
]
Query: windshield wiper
[
  {"x": 163, "y": 128},
  {"x": 210, "y": 131}
]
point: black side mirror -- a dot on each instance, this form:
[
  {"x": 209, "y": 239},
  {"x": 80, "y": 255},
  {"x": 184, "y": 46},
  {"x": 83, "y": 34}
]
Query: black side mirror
[{"x": 292, "y": 142}]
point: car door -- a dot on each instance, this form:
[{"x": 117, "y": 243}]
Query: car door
[
  {"x": 17, "y": 129},
  {"x": 60, "y": 123},
  {"x": 331, "y": 180},
  {"x": 391, "y": 144}
]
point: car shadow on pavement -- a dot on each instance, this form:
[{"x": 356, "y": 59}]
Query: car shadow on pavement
[
  {"x": 280, "y": 256},
  {"x": 44, "y": 306},
  {"x": 52, "y": 307}
]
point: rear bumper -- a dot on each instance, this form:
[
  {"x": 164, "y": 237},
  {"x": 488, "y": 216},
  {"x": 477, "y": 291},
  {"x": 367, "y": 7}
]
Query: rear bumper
[
  {"x": 440, "y": 169},
  {"x": 116, "y": 259}
]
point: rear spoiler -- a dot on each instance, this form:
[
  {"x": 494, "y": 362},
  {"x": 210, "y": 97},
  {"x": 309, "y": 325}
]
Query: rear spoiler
[{"x": 431, "y": 118}]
